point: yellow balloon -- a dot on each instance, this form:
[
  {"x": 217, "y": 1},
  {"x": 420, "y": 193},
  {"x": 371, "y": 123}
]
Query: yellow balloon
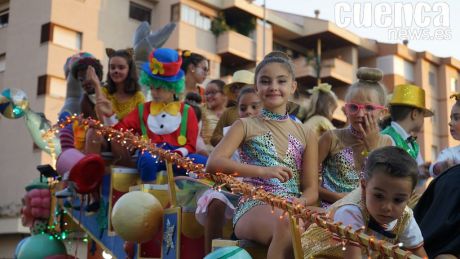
[{"x": 137, "y": 216}]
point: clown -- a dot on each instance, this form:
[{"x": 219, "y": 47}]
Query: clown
[{"x": 168, "y": 123}]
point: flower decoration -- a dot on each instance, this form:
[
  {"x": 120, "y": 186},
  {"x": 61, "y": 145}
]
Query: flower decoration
[
  {"x": 187, "y": 53},
  {"x": 326, "y": 88},
  {"x": 157, "y": 67}
]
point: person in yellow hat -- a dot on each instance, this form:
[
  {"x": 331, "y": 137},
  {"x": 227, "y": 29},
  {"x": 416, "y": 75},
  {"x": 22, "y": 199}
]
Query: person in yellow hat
[{"x": 408, "y": 112}]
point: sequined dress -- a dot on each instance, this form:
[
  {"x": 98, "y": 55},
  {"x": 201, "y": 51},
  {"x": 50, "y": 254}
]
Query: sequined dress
[
  {"x": 339, "y": 172},
  {"x": 272, "y": 140}
]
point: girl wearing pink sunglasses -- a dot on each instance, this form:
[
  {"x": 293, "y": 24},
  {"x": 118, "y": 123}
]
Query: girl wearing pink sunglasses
[{"x": 342, "y": 152}]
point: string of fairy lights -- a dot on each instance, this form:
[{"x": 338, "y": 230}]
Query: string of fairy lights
[{"x": 132, "y": 141}]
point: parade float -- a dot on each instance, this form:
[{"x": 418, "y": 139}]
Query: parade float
[{"x": 136, "y": 220}]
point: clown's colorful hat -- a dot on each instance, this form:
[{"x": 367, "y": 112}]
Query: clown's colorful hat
[{"x": 163, "y": 71}]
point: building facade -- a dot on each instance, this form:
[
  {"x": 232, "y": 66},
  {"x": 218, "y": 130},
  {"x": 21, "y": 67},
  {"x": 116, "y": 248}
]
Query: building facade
[{"x": 36, "y": 37}]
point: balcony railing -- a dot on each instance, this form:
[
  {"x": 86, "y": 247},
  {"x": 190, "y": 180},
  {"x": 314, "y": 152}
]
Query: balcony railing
[
  {"x": 333, "y": 67},
  {"x": 237, "y": 45}
]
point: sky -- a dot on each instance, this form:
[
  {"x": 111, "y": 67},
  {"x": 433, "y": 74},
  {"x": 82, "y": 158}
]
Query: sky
[{"x": 429, "y": 25}]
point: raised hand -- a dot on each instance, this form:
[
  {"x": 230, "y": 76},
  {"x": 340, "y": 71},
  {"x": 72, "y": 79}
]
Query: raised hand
[
  {"x": 103, "y": 105},
  {"x": 370, "y": 131},
  {"x": 279, "y": 172}
]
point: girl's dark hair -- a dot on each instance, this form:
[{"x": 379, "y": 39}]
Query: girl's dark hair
[
  {"x": 393, "y": 161},
  {"x": 194, "y": 100},
  {"x": 275, "y": 57},
  {"x": 131, "y": 85},
  {"x": 245, "y": 90},
  {"x": 219, "y": 83},
  {"x": 369, "y": 78},
  {"x": 189, "y": 57},
  {"x": 83, "y": 64}
]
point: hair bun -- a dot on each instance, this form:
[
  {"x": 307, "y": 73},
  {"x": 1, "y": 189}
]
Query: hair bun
[{"x": 369, "y": 74}]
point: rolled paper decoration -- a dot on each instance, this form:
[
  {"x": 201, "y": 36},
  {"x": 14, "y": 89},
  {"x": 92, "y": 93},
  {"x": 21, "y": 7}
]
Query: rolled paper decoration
[
  {"x": 39, "y": 128},
  {"x": 14, "y": 103}
]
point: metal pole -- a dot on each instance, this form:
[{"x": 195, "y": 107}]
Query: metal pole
[
  {"x": 263, "y": 33},
  {"x": 318, "y": 62}
]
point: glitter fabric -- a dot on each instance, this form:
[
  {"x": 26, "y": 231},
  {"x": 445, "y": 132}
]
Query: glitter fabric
[
  {"x": 261, "y": 150},
  {"x": 339, "y": 173},
  {"x": 318, "y": 242},
  {"x": 268, "y": 115}
]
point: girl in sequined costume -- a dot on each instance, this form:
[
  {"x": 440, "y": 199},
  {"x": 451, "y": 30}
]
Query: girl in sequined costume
[
  {"x": 342, "y": 152},
  {"x": 213, "y": 207},
  {"x": 277, "y": 154},
  {"x": 379, "y": 208}
]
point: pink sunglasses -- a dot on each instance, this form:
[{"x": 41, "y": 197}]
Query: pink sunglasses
[{"x": 353, "y": 108}]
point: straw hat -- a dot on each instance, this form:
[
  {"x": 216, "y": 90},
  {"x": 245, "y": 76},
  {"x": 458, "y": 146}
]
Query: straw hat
[
  {"x": 410, "y": 95},
  {"x": 240, "y": 77}
]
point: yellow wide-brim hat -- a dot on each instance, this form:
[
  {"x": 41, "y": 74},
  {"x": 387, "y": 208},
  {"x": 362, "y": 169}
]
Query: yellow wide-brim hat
[
  {"x": 242, "y": 77},
  {"x": 410, "y": 95}
]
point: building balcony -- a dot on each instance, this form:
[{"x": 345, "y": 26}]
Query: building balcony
[
  {"x": 189, "y": 37},
  {"x": 3, "y": 37},
  {"x": 333, "y": 70},
  {"x": 236, "y": 49}
]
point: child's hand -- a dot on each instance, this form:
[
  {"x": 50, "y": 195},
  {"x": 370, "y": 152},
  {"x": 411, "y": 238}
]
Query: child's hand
[
  {"x": 442, "y": 166},
  {"x": 91, "y": 76},
  {"x": 370, "y": 131},
  {"x": 103, "y": 105},
  {"x": 279, "y": 172}
]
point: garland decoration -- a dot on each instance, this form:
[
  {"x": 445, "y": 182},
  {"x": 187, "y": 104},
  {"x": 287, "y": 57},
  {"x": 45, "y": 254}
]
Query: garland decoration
[{"x": 299, "y": 211}]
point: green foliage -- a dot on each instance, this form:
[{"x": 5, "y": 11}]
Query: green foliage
[
  {"x": 240, "y": 22},
  {"x": 218, "y": 25}
]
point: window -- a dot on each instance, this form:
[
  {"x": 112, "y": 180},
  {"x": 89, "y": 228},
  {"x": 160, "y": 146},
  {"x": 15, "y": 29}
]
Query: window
[
  {"x": 42, "y": 85},
  {"x": 139, "y": 12},
  {"x": 409, "y": 71},
  {"x": 67, "y": 38},
  {"x": 45, "y": 34},
  {"x": 434, "y": 152},
  {"x": 175, "y": 13},
  {"x": 453, "y": 84},
  {"x": 190, "y": 15},
  {"x": 57, "y": 87},
  {"x": 52, "y": 86},
  {"x": 432, "y": 78},
  {"x": 4, "y": 16},
  {"x": 61, "y": 36},
  {"x": 2, "y": 62}
]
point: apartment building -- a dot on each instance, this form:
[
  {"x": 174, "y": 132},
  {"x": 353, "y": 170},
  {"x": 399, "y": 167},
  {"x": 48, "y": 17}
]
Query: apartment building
[{"x": 36, "y": 37}]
